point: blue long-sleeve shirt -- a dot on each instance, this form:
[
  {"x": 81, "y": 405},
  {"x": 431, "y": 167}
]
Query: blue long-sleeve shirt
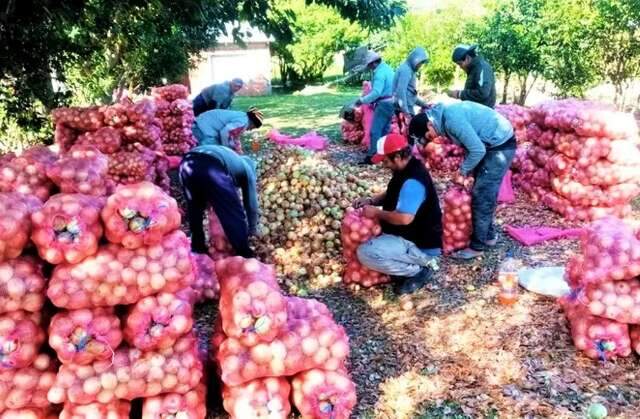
[
  {"x": 221, "y": 93},
  {"x": 242, "y": 170},
  {"x": 381, "y": 85},
  {"x": 472, "y": 126}
]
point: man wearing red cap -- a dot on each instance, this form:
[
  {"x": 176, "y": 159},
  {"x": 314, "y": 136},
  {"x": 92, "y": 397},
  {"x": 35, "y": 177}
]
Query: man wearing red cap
[{"x": 410, "y": 217}]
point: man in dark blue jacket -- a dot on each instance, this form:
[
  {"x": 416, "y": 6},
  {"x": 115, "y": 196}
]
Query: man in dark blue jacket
[{"x": 480, "y": 86}]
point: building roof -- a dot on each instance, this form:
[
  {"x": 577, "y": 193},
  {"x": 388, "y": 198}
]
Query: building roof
[{"x": 247, "y": 34}]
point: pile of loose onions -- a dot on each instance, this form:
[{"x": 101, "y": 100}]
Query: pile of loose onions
[
  {"x": 316, "y": 342},
  {"x": 191, "y": 405},
  {"x": 324, "y": 394},
  {"x": 219, "y": 246},
  {"x": 118, "y": 409},
  {"x": 598, "y": 337},
  {"x": 20, "y": 338},
  {"x": 130, "y": 374},
  {"x": 158, "y": 321},
  {"x": 78, "y": 172},
  {"x": 67, "y": 228},
  {"x": 456, "y": 219},
  {"x": 252, "y": 307},
  {"x": 81, "y": 337},
  {"x": 139, "y": 215},
  {"x": 15, "y": 222},
  {"x": 357, "y": 229},
  {"x": 21, "y": 285},
  {"x": 205, "y": 285},
  {"x": 28, "y": 386},
  {"x": 106, "y": 139},
  {"x": 260, "y": 398},
  {"x": 115, "y": 275}
]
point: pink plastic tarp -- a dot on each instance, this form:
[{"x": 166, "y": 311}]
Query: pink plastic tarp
[
  {"x": 530, "y": 236},
  {"x": 506, "y": 195},
  {"x": 311, "y": 140}
]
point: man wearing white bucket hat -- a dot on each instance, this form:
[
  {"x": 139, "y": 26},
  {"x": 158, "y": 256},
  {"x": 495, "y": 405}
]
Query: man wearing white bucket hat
[{"x": 381, "y": 97}]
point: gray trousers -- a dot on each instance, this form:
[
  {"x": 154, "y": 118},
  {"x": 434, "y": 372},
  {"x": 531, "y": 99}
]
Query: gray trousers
[{"x": 395, "y": 256}]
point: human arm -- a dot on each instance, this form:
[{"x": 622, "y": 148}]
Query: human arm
[
  {"x": 401, "y": 86},
  {"x": 377, "y": 86},
  {"x": 412, "y": 196},
  {"x": 231, "y": 131},
  {"x": 374, "y": 200},
  {"x": 460, "y": 129},
  {"x": 250, "y": 199}
]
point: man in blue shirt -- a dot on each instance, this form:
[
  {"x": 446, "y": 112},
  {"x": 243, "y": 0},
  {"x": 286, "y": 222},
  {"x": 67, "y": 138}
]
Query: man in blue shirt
[
  {"x": 216, "y": 96},
  {"x": 490, "y": 144},
  {"x": 381, "y": 97},
  {"x": 224, "y": 127},
  {"x": 210, "y": 176},
  {"x": 410, "y": 217}
]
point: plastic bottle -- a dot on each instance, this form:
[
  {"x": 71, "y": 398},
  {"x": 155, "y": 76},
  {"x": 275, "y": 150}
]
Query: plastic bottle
[{"x": 508, "y": 280}]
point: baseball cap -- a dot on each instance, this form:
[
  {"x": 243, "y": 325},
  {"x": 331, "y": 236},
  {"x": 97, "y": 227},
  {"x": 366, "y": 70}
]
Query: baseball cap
[
  {"x": 461, "y": 51},
  {"x": 387, "y": 145}
]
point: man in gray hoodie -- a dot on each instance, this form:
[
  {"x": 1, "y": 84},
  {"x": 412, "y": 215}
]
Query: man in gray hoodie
[
  {"x": 490, "y": 144},
  {"x": 405, "y": 91},
  {"x": 216, "y": 96}
]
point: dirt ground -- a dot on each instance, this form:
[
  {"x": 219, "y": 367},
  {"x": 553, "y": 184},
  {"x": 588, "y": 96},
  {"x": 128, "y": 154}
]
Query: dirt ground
[{"x": 451, "y": 351}]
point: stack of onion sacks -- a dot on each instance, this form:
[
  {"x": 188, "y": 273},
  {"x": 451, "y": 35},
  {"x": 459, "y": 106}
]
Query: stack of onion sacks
[
  {"x": 191, "y": 405},
  {"x": 118, "y": 409},
  {"x": 82, "y": 170},
  {"x": 15, "y": 222},
  {"x": 357, "y": 229},
  {"x": 456, "y": 219},
  {"x": 259, "y": 398},
  {"x": 28, "y": 386},
  {"x": 205, "y": 285},
  {"x": 27, "y": 173}
]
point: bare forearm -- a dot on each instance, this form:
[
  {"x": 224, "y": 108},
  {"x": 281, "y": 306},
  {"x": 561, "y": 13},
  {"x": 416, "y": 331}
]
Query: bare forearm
[
  {"x": 378, "y": 199},
  {"x": 395, "y": 217}
]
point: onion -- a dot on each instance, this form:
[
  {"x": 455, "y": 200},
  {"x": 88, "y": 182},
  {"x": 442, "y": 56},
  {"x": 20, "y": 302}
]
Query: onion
[
  {"x": 20, "y": 338},
  {"x": 118, "y": 409},
  {"x": 317, "y": 393},
  {"x": 190, "y": 405},
  {"x": 28, "y": 386},
  {"x": 263, "y": 397},
  {"x": 15, "y": 222},
  {"x": 22, "y": 285}
]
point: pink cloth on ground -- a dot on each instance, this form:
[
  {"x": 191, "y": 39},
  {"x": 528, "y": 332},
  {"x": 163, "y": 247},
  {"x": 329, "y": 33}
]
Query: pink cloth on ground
[
  {"x": 506, "y": 195},
  {"x": 530, "y": 236},
  {"x": 311, "y": 140}
]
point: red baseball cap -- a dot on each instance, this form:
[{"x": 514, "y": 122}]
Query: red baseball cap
[{"x": 389, "y": 144}]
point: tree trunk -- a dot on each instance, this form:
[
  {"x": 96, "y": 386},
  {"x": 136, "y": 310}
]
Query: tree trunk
[{"x": 505, "y": 88}]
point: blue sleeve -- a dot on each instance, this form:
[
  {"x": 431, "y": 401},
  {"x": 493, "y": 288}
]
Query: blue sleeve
[
  {"x": 377, "y": 86},
  {"x": 412, "y": 195}
]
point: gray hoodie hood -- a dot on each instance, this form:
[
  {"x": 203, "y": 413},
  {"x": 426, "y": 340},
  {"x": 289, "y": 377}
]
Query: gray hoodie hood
[
  {"x": 435, "y": 117},
  {"x": 417, "y": 56}
]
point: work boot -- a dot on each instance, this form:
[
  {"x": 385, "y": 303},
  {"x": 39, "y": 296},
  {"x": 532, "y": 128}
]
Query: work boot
[{"x": 414, "y": 283}]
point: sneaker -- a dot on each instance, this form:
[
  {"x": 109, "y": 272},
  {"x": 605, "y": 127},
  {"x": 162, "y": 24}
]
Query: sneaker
[
  {"x": 366, "y": 162},
  {"x": 414, "y": 283}
]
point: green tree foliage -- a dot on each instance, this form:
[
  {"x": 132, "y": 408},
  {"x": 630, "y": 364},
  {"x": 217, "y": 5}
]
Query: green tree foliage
[
  {"x": 318, "y": 33},
  {"x": 437, "y": 31},
  {"x": 511, "y": 39}
]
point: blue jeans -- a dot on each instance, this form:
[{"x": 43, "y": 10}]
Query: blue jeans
[
  {"x": 396, "y": 256},
  {"x": 484, "y": 196},
  {"x": 381, "y": 123},
  {"x": 200, "y": 105}
]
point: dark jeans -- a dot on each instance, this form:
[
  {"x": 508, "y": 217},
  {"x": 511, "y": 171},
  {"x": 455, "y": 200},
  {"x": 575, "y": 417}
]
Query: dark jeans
[
  {"x": 488, "y": 177},
  {"x": 381, "y": 123},
  {"x": 200, "y": 105},
  {"x": 206, "y": 182}
]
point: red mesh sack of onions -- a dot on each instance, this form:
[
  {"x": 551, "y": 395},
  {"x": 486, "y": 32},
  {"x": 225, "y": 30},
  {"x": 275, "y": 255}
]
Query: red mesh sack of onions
[
  {"x": 357, "y": 274},
  {"x": 131, "y": 165},
  {"x": 170, "y": 92},
  {"x": 20, "y": 339},
  {"x": 64, "y": 136},
  {"x": 302, "y": 344},
  {"x": 615, "y": 300},
  {"x": 442, "y": 154},
  {"x": 219, "y": 246},
  {"x": 320, "y": 394},
  {"x": 352, "y": 132},
  {"x": 598, "y": 337},
  {"x": 15, "y": 222},
  {"x": 27, "y": 387},
  {"x": 252, "y": 306},
  {"x": 205, "y": 284},
  {"x": 634, "y": 334},
  {"x": 611, "y": 252},
  {"x": 67, "y": 228},
  {"x": 191, "y": 405},
  {"x": 21, "y": 285},
  {"x": 130, "y": 375},
  {"x": 26, "y": 175},
  {"x": 519, "y": 116},
  {"x": 81, "y": 171},
  {"x": 158, "y": 321},
  {"x": 115, "y": 275},
  {"x": 456, "y": 219},
  {"x": 84, "y": 336},
  {"x": 260, "y": 398},
  {"x": 107, "y": 139},
  {"x": 81, "y": 119},
  {"x": 139, "y": 215},
  {"x": 305, "y": 308},
  {"x": 29, "y": 413},
  {"x": 118, "y": 409}
]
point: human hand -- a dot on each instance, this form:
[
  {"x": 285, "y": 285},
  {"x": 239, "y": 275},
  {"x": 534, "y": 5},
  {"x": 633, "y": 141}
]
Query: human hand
[
  {"x": 454, "y": 94},
  {"x": 370, "y": 212},
  {"x": 361, "y": 202}
]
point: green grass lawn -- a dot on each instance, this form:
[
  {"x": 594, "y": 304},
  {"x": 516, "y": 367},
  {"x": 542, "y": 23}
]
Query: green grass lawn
[{"x": 297, "y": 114}]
